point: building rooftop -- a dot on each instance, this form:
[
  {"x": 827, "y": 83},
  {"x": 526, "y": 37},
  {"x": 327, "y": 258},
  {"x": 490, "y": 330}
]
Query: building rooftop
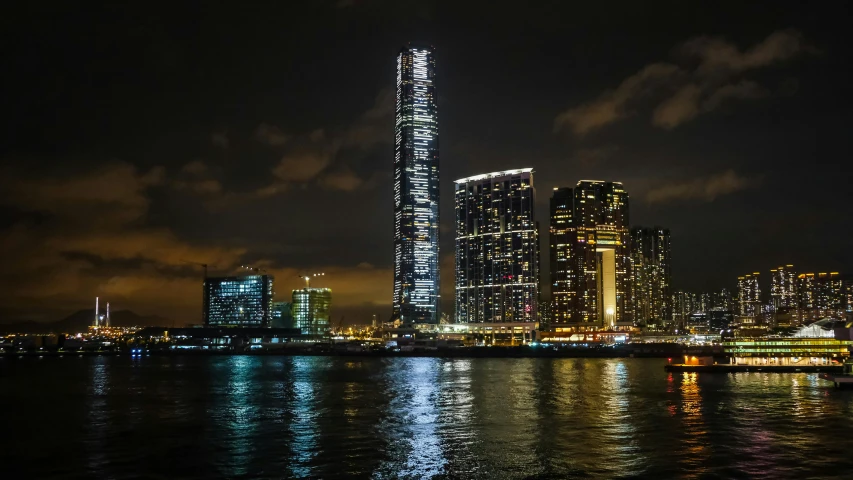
[{"x": 484, "y": 176}]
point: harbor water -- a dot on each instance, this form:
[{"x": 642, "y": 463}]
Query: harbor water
[{"x": 351, "y": 417}]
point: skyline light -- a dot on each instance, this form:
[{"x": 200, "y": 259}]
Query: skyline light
[{"x": 189, "y": 168}]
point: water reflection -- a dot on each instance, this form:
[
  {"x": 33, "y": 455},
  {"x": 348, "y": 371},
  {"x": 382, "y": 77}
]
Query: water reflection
[
  {"x": 415, "y": 447},
  {"x": 303, "y": 421},
  {"x": 98, "y": 417},
  {"x": 327, "y": 417}
]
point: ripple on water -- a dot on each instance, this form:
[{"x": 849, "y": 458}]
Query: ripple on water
[{"x": 326, "y": 417}]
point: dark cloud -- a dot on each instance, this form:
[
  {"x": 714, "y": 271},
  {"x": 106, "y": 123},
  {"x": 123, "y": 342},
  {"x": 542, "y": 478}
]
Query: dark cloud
[
  {"x": 697, "y": 91},
  {"x": 718, "y": 56},
  {"x": 236, "y": 141},
  {"x": 615, "y": 105},
  {"x": 703, "y": 188},
  {"x": 220, "y": 139},
  {"x": 271, "y": 135}
]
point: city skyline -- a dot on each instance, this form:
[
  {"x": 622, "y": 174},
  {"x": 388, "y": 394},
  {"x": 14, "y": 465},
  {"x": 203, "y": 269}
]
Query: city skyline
[{"x": 121, "y": 167}]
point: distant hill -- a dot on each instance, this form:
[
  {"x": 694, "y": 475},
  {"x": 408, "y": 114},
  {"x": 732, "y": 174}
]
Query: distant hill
[{"x": 80, "y": 321}]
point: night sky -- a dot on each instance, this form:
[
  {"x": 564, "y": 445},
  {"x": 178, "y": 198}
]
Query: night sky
[{"x": 137, "y": 137}]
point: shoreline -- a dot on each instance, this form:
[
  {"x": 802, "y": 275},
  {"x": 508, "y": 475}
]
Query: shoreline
[{"x": 464, "y": 352}]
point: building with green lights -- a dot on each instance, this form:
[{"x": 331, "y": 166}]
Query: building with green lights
[{"x": 312, "y": 309}]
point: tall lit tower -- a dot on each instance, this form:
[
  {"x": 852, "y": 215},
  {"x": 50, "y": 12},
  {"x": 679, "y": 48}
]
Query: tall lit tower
[
  {"x": 416, "y": 276},
  {"x": 749, "y": 295},
  {"x": 783, "y": 288},
  {"x": 497, "y": 248},
  {"x": 591, "y": 256}
]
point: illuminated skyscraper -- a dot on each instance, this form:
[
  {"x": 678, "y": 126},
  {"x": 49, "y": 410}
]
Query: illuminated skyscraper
[
  {"x": 238, "y": 301},
  {"x": 311, "y": 310},
  {"x": 416, "y": 261},
  {"x": 497, "y": 248},
  {"x": 749, "y": 295},
  {"x": 590, "y": 245},
  {"x": 651, "y": 253},
  {"x": 821, "y": 295},
  {"x": 783, "y": 288},
  {"x": 562, "y": 238}
]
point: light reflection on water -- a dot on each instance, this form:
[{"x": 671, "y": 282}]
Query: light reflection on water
[{"x": 327, "y": 417}]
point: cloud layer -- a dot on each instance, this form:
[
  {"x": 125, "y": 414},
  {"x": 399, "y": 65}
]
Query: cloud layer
[
  {"x": 91, "y": 234},
  {"x": 703, "y": 188},
  {"x": 316, "y": 157},
  {"x": 683, "y": 92}
]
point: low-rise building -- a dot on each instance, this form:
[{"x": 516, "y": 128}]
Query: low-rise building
[{"x": 814, "y": 344}]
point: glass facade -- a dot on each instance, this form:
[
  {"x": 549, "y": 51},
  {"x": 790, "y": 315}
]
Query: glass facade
[
  {"x": 416, "y": 189},
  {"x": 651, "y": 254},
  {"x": 591, "y": 276},
  {"x": 238, "y": 301},
  {"x": 312, "y": 310},
  {"x": 497, "y": 248}
]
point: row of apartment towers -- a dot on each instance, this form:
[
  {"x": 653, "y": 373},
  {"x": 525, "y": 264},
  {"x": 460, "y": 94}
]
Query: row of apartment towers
[{"x": 603, "y": 274}]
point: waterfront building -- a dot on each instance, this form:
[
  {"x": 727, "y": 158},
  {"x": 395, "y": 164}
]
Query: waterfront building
[
  {"x": 591, "y": 258},
  {"x": 225, "y": 339},
  {"x": 282, "y": 315},
  {"x": 497, "y": 248},
  {"x": 749, "y": 295},
  {"x": 651, "y": 254},
  {"x": 416, "y": 188},
  {"x": 238, "y": 301},
  {"x": 815, "y": 344},
  {"x": 499, "y": 333},
  {"x": 312, "y": 310},
  {"x": 562, "y": 237}
]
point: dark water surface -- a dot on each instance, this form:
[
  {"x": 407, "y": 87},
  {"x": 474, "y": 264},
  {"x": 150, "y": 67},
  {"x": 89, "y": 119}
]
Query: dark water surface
[{"x": 337, "y": 417}]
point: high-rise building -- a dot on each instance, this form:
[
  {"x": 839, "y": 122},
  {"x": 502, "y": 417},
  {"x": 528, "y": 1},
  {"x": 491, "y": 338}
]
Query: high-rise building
[
  {"x": 722, "y": 300},
  {"x": 312, "y": 309},
  {"x": 821, "y": 295},
  {"x": 590, "y": 247},
  {"x": 783, "y": 288},
  {"x": 749, "y": 295},
  {"x": 238, "y": 301},
  {"x": 651, "y": 254},
  {"x": 416, "y": 189},
  {"x": 497, "y": 248},
  {"x": 562, "y": 239},
  {"x": 683, "y": 305}
]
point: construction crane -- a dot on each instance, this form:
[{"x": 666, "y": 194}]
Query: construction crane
[
  {"x": 203, "y": 265},
  {"x": 307, "y": 277},
  {"x": 254, "y": 269}
]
